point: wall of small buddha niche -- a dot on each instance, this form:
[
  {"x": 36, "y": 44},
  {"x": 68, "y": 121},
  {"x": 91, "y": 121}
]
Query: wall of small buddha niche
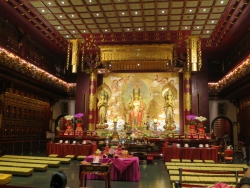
[{"x": 24, "y": 116}]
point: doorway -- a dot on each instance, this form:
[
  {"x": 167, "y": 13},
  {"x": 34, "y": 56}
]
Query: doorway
[{"x": 222, "y": 124}]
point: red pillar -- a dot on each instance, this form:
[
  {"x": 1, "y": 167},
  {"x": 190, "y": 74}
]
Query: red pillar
[
  {"x": 187, "y": 94},
  {"x": 92, "y": 99}
]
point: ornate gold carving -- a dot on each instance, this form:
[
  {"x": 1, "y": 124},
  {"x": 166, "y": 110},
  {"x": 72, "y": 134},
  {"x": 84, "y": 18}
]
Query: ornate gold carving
[
  {"x": 187, "y": 101},
  {"x": 137, "y": 52},
  {"x": 68, "y": 56},
  {"x": 194, "y": 61},
  {"x": 235, "y": 75},
  {"x": 82, "y": 59},
  {"x": 90, "y": 117},
  {"x": 75, "y": 55},
  {"x": 92, "y": 102},
  {"x": 91, "y": 127},
  {"x": 93, "y": 76},
  {"x": 187, "y": 76}
]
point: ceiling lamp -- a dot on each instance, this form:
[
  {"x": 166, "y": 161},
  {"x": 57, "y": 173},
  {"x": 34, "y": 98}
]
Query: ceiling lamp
[{"x": 194, "y": 61}]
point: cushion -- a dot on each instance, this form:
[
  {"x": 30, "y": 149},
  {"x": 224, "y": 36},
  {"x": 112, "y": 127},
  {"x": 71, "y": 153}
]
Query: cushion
[
  {"x": 53, "y": 155},
  {"x": 81, "y": 157},
  {"x": 5, "y": 178},
  {"x": 70, "y": 156}
]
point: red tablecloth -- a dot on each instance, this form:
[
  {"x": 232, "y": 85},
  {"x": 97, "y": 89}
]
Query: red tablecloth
[
  {"x": 69, "y": 149},
  {"x": 190, "y": 153},
  {"x": 123, "y": 169}
]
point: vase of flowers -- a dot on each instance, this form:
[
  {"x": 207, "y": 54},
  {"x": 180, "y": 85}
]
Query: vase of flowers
[
  {"x": 78, "y": 121},
  {"x": 191, "y": 119},
  {"x": 191, "y": 123},
  {"x": 200, "y": 124},
  {"x": 69, "y": 125}
]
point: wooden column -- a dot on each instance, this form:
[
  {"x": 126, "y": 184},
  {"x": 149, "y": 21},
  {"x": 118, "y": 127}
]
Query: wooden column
[
  {"x": 187, "y": 94},
  {"x": 92, "y": 99}
]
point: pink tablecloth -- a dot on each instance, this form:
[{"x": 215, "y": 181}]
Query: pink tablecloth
[
  {"x": 123, "y": 169},
  {"x": 69, "y": 149},
  {"x": 190, "y": 153}
]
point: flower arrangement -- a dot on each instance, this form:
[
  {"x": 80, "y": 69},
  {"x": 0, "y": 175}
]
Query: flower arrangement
[
  {"x": 191, "y": 119},
  {"x": 68, "y": 117},
  {"x": 68, "y": 120},
  {"x": 201, "y": 118},
  {"x": 79, "y": 117}
]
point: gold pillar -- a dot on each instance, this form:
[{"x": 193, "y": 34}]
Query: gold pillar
[{"x": 194, "y": 59}]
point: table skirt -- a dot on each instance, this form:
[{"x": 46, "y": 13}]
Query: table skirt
[
  {"x": 69, "y": 149},
  {"x": 190, "y": 153},
  {"x": 126, "y": 169}
]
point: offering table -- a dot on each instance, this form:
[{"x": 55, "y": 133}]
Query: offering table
[
  {"x": 191, "y": 153},
  {"x": 69, "y": 149},
  {"x": 102, "y": 169},
  {"x": 123, "y": 169}
]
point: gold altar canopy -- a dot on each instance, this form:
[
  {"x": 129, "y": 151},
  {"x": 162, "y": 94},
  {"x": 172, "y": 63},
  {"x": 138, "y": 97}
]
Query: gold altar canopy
[{"x": 138, "y": 57}]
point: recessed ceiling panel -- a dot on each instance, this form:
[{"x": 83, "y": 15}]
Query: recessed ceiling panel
[
  {"x": 65, "y": 22},
  {"x": 76, "y": 2},
  {"x": 137, "y": 19},
  {"x": 121, "y": 7},
  {"x": 77, "y": 22},
  {"x": 192, "y": 3},
  {"x": 68, "y": 9},
  {"x": 49, "y": 16},
  {"x": 207, "y": 3},
  {"x": 85, "y": 15},
  {"x": 55, "y": 10},
  {"x": 177, "y": 4},
  {"x": 70, "y": 27},
  {"x": 81, "y": 9},
  {"x": 135, "y": 6},
  {"x": 148, "y": 6},
  {"x": 163, "y": 5}
]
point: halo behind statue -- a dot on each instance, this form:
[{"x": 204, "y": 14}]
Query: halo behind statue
[
  {"x": 169, "y": 87},
  {"x": 104, "y": 88}
]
